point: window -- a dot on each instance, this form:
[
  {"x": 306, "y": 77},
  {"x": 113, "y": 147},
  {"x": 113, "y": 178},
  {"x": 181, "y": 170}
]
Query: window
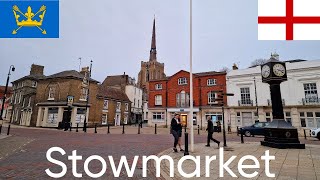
[
  {"x": 310, "y": 120},
  {"x": 126, "y": 107},
  {"x": 52, "y": 115},
  {"x": 158, "y": 86},
  {"x": 125, "y": 119},
  {"x": 84, "y": 94},
  {"x": 245, "y": 95},
  {"x": 158, "y": 116},
  {"x": 34, "y": 83},
  {"x": 158, "y": 100},
  {"x": 22, "y": 84},
  {"x": 302, "y": 120},
  {"x": 318, "y": 119},
  {"x": 182, "y": 81},
  {"x": 268, "y": 116},
  {"x": 118, "y": 106},
  {"x": 311, "y": 93},
  {"x": 211, "y": 82},
  {"x": 20, "y": 96},
  {"x": 287, "y": 117},
  {"x": 51, "y": 93},
  {"x": 81, "y": 115},
  {"x": 105, "y": 104},
  {"x": 212, "y": 97},
  {"x": 183, "y": 99},
  {"x": 104, "y": 119}
]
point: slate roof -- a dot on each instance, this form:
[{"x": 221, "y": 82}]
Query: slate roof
[
  {"x": 32, "y": 77},
  {"x": 112, "y": 93},
  {"x": 209, "y": 73},
  {"x": 115, "y": 80},
  {"x": 69, "y": 74}
]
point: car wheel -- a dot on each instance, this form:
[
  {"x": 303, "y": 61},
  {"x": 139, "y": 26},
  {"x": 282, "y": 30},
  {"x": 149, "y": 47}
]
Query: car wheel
[
  {"x": 318, "y": 136},
  {"x": 247, "y": 133}
]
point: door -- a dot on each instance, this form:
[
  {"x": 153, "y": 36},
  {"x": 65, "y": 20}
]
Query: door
[
  {"x": 66, "y": 118},
  {"x": 247, "y": 119},
  {"x": 117, "y": 123}
]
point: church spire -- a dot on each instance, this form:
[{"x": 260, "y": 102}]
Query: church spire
[{"x": 153, "y": 51}]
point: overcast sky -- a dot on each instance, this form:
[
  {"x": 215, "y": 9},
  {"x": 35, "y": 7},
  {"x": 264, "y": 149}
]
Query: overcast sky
[{"x": 116, "y": 35}]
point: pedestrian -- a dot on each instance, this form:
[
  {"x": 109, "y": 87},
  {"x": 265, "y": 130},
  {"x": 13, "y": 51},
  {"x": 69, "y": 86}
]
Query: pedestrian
[
  {"x": 210, "y": 133},
  {"x": 176, "y": 131},
  {"x": 219, "y": 126},
  {"x": 229, "y": 126}
]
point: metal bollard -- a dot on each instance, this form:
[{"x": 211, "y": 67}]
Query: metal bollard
[
  {"x": 186, "y": 144},
  {"x": 77, "y": 127},
  {"x": 8, "y": 132},
  {"x": 198, "y": 130},
  {"x": 70, "y": 126},
  {"x": 108, "y": 128},
  {"x": 185, "y": 129},
  {"x": 138, "y": 128},
  {"x": 305, "y": 135},
  {"x": 0, "y": 128},
  {"x": 242, "y": 138},
  {"x": 95, "y": 128},
  {"x": 123, "y": 128},
  {"x": 155, "y": 129}
]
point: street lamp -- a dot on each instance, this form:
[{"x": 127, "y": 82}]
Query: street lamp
[
  {"x": 11, "y": 68},
  {"x": 87, "y": 102}
]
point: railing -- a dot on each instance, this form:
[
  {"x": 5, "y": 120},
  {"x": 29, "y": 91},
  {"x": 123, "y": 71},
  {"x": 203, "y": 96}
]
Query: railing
[
  {"x": 270, "y": 102},
  {"x": 246, "y": 102},
  {"x": 311, "y": 101}
]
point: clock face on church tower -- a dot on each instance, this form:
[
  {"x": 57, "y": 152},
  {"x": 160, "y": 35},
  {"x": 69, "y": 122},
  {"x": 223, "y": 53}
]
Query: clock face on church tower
[{"x": 279, "y": 70}]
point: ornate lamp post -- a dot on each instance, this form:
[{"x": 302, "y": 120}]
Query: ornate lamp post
[{"x": 11, "y": 68}]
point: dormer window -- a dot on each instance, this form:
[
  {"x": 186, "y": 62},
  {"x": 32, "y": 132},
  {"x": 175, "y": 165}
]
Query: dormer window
[
  {"x": 182, "y": 81},
  {"x": 158, "y": 86},
  {"x": 211, "y": 82}
]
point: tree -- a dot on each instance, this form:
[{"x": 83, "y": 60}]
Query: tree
[
  {"x": 258, "y": 62},
  {"x": 224, "y": 69}
]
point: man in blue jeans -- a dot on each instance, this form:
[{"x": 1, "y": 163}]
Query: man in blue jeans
[
  {"x": 176, "y": 131},
  {"x": 210, "y": 132}
]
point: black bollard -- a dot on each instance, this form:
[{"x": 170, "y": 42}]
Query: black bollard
[
  {"x": 242, "y": 137},
  {"x": 155, "y": 129},
  {"x": 185, "y": 129},
  {"x": 0, "y": 128},
  {"x": 186, "y": 144},
  {"x": 108, "y": 128},
  {"x": 70, "y": 125},
  {"x": 305, "y": 135},
  {"x": 138, "y": 128},
  {"x": 95, "y": 128},
  {"x": 8, "y": 132},
  {"x": 77, "y": 127},
  {"x": 198, "y": 130},
  {"x": 123, "y": 128}
]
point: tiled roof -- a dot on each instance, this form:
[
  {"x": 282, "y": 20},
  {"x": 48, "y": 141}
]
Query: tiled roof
[
  {"x": 69, "y": 74},
  {"x": 112, "y": 93},
  {"x": 115, "y": 80}
]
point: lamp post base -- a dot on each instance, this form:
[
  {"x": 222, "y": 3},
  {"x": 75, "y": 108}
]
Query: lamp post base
[{"x": 282, "y": 135}]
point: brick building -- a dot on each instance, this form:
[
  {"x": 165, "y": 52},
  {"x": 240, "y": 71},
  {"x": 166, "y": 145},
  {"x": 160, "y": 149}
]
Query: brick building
[
  {"x": 113, "y": 106},
  {"x": 172, "y": 94},
  {"x": 51, "y": 97},
  {"x": 24, "y": 97},
  {"x": 7, "y": 107}
]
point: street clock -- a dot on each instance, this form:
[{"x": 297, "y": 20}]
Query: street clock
[{"x": 273, "y": 71}]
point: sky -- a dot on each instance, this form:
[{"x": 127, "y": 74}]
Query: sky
[{"x": 116, "y": 36}]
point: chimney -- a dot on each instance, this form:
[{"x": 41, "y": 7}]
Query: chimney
[
  {"x": 84, "y": 70},
  {"x": 36, "y": 69},
  {"x": 235, "y": 67}
]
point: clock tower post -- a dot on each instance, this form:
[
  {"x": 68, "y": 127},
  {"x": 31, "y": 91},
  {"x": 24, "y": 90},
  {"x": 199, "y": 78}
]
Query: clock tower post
[{"x": 279, "y": 133}]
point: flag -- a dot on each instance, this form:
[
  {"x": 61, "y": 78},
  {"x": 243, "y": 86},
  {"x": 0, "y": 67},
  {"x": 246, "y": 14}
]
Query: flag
[
  {"x": 288, "y": 19},
  {"x": 29, "y": 18}
]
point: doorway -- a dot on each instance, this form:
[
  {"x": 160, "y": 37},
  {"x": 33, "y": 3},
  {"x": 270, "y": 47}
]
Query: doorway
[{"x": 117, "y": 119}]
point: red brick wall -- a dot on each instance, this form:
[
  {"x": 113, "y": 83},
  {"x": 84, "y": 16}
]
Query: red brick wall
[{"x": 200, "y": 89}]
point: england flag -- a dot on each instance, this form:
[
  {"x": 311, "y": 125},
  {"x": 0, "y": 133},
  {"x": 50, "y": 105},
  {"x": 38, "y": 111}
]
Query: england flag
[{"x": 289, "y": 19}]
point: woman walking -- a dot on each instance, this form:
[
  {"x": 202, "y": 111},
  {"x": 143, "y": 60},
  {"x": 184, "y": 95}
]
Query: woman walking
[{"x": 176, "y": 130}]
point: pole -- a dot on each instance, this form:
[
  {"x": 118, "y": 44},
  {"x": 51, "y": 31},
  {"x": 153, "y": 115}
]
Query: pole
[
  {"x": 77, "y": 127},
  {"x": 123, "y": 128},
  {"x": 186, "y": 149},
  {"x": 87, "y": 102},
  {"x": 224, "y": 129},
  {"x": 5, "y": 92},
  {"x": 191, "y": 86},
  {"x": 95, "y": 128},
  {"x": 255, "y": 91},
  {"x": 108, "y": 128},
  {"x": 155, "y": 129}
]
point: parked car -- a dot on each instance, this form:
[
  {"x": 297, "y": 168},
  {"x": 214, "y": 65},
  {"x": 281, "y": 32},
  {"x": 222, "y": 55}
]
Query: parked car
[
  {"x": 255, "y": 129},
  {"x": 315, "y": 133}
]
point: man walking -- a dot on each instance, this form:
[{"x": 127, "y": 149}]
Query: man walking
[{"x": 210, "y": 132}]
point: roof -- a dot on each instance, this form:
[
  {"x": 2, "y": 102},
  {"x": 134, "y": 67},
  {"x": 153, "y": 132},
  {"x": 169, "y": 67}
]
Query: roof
[
  {"x": 112, "y": 93},
  {"x": 209, "y": 73},
  {"x": 115, "y": 80},
  {"x": 32, "y": 77},
  {"x": 69, "y": 74}
]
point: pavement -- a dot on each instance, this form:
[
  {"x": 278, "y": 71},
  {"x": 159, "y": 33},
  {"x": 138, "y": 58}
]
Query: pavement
[{"x": 301, "y": 164}]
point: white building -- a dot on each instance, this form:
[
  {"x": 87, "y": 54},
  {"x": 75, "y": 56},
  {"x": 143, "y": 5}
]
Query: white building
[
  {"x": 299, "y": 95},
  {"x": 135, "y": 95}
]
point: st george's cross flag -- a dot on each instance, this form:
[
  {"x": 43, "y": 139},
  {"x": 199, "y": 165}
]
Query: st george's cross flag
[{"x": 289, "y": 19}]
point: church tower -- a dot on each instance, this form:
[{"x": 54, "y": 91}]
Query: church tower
[{"x": 152, "y": 69}]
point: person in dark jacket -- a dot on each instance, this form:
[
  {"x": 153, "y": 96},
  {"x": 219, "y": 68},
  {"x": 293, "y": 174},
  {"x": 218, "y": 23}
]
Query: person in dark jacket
[
  {"x": 210, "y": 132},
  {"x": 176, "y": 131}
]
